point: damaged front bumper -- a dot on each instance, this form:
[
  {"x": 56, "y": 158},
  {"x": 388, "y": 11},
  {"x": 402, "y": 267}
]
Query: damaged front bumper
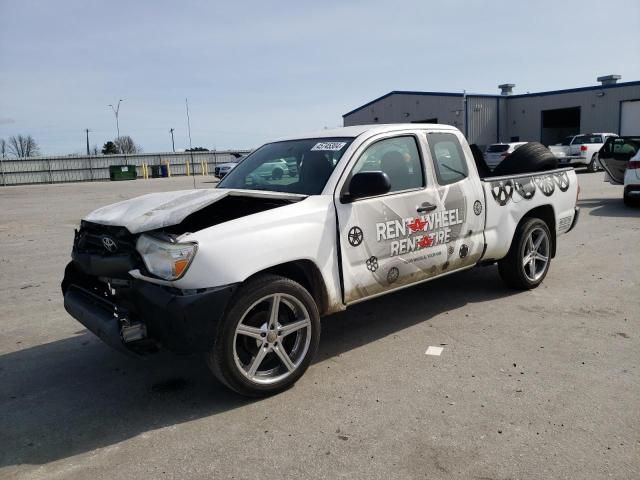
[{"x": 136, "y": 316}]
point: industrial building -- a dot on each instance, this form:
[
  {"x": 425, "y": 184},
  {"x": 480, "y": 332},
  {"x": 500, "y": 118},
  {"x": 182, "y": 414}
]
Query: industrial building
[{"x": 546, "y": 117}]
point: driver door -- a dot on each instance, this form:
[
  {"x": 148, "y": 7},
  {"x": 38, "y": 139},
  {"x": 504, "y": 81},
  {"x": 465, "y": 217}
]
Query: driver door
[{"x": 386, "y": 241}]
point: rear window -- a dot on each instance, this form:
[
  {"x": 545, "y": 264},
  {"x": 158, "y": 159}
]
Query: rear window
[
  {"x": 497, "y": 148},
  {"x": 448, "y": 158},
  {"x": 589, "y": 139}
]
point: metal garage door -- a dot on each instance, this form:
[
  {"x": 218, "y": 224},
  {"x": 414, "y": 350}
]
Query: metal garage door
[{"x": 630, "y": 117}]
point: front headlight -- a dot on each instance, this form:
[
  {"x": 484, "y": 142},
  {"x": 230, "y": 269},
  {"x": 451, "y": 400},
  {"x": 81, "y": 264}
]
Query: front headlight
[{"x": 166, "y": 260}]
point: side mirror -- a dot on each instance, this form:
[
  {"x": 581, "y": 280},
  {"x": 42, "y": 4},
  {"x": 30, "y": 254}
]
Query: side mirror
[{"x": 366, "y": 184}]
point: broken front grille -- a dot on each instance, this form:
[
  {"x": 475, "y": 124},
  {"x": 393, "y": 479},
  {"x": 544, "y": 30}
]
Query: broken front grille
[{"x": 103, "y": 240}]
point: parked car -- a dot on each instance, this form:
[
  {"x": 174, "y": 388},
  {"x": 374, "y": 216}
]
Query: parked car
[
  {"x": 222, "y": 169},
  {"x": 243, "y": 272},
  {"x": 497, "y": 152},
  {"x": 620, "y": 157},
  {"x": 274, "y": 169},
  {"x": 581, "y": 150}
]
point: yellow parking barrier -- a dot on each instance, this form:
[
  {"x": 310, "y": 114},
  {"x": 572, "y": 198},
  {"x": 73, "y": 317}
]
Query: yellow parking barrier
[
  {"x": 168, "y": 169},
  {"x": 188, "y": 169}
]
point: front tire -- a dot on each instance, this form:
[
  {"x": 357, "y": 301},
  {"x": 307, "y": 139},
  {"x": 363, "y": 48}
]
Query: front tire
[
  {"x": 594, "y": 165},
  {"x": 277, "y": 173},
  {"x": 268, "y": 338},
  {"x": 529, "y": 257}
]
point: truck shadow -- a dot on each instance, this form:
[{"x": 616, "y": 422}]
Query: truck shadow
[
  {"x": 608, "y": 207},
  {"x": 369, "y": 321},
  {"x": 74, "y": 395}
]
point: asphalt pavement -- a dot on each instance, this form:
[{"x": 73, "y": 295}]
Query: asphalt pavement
[{"x": 529, "y": 385}]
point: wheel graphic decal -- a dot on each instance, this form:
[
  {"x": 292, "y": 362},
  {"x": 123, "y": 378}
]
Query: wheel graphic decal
[
  {"x": 526, "y": 188},
  {"x": 502, "y": 192},
  {"x": 477, "y": 207},
  {"x": 562, "y": 180},
  {"x": 355, "y": 236},
  {"x": 372, "y": 264},
  {"x": 450, "y": 250},
  {"x": 464, "y": 250},
  {"x": 393, "y": 274},
  {"x": 546, "y": 185}
]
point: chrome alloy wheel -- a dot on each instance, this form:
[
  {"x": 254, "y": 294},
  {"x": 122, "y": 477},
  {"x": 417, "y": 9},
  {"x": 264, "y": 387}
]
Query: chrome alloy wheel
[
  {"x": 536, "y": 254},
  {"x": 272, "y": 338}
]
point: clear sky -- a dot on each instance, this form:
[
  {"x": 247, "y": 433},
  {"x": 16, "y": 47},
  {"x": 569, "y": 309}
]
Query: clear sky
[{"x": 254, "y": 71}]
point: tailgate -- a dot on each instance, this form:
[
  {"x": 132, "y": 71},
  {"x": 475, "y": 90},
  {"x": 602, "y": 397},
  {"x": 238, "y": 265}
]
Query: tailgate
[{"x": 559, "y": 150}]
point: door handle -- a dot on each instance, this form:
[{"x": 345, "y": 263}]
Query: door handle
[{"x": 426, "y": 207}]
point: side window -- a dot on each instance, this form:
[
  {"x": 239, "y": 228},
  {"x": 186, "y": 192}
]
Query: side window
[
  {"x": 448, "y": 158},
  {"x": 398, "y": 157}
]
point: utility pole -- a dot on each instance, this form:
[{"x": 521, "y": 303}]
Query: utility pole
[
  {"x": 87, "y": 130},
  {"x": 173, "y": 144},
  {"x": 186, "y": 102},
  {"x": 116, "y": 112}
]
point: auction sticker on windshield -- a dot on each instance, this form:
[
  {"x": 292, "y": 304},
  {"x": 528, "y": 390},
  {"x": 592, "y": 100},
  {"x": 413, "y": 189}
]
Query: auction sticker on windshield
[{"x": 328, "y": 146}]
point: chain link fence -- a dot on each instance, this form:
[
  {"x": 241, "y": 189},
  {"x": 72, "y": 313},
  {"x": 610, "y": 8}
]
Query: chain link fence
[{"x": 25, "y": 171}]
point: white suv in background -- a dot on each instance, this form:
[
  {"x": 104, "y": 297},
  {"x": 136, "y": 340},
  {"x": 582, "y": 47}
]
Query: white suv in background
[{"x": 497, "y": 152}]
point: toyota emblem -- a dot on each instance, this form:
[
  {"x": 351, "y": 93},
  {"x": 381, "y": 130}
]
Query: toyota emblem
[{"x": 109, "y": 244}]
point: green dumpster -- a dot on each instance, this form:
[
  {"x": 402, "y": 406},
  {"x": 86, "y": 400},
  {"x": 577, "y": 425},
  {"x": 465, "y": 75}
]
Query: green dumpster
[{"x": 122, "y": 172}]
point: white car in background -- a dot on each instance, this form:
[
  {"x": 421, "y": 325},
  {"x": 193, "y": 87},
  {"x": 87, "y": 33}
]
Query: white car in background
[
  {"x": 222, "y": 169},
  {"x": 275, "y": 169},
  {"x": 497, "y": 152},
  {"x": 581, "y": 150}
]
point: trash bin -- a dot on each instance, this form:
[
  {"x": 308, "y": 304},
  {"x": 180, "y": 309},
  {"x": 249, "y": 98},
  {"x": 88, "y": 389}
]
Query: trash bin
[
  {"x": 164, "y": 171},
  {"x": 155, "y": 171},
  {"x": 122, "y": 172}
]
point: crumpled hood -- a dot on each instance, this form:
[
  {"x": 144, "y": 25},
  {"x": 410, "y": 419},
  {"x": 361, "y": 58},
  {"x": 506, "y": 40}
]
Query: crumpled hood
[
  {"x": 164, "y": 209},
  {"x": 155, "y": 210}
]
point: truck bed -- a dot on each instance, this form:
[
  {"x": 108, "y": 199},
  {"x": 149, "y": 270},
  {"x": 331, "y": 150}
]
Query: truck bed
[{"x": 509, "y": 198}]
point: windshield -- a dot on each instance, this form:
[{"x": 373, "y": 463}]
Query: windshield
[
  {"x": 498, "y": 148},
  {"x": 295, "y": 166}
]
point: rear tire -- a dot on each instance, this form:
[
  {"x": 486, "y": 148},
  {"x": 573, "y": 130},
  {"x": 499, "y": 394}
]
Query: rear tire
[
  {"x": 267, "y": 339},
  {"x": 527, "y": 263},
  {"x": 594, "y": 165},
  {"x": 530, "y": 157}
]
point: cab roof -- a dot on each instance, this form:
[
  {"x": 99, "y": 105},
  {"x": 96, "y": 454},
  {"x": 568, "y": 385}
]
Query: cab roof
[{"x": 357, "y": 130}]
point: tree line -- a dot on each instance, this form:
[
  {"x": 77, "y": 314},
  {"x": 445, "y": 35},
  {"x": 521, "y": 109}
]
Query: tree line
[
  {"x": 22, "y": 146},
  {"x": 19, "y": 146}
]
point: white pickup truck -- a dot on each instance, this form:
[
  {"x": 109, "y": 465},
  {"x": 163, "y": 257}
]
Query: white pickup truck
[
  {"x": 243, "y": 272},
  {"x": 581, "y": 150}
]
